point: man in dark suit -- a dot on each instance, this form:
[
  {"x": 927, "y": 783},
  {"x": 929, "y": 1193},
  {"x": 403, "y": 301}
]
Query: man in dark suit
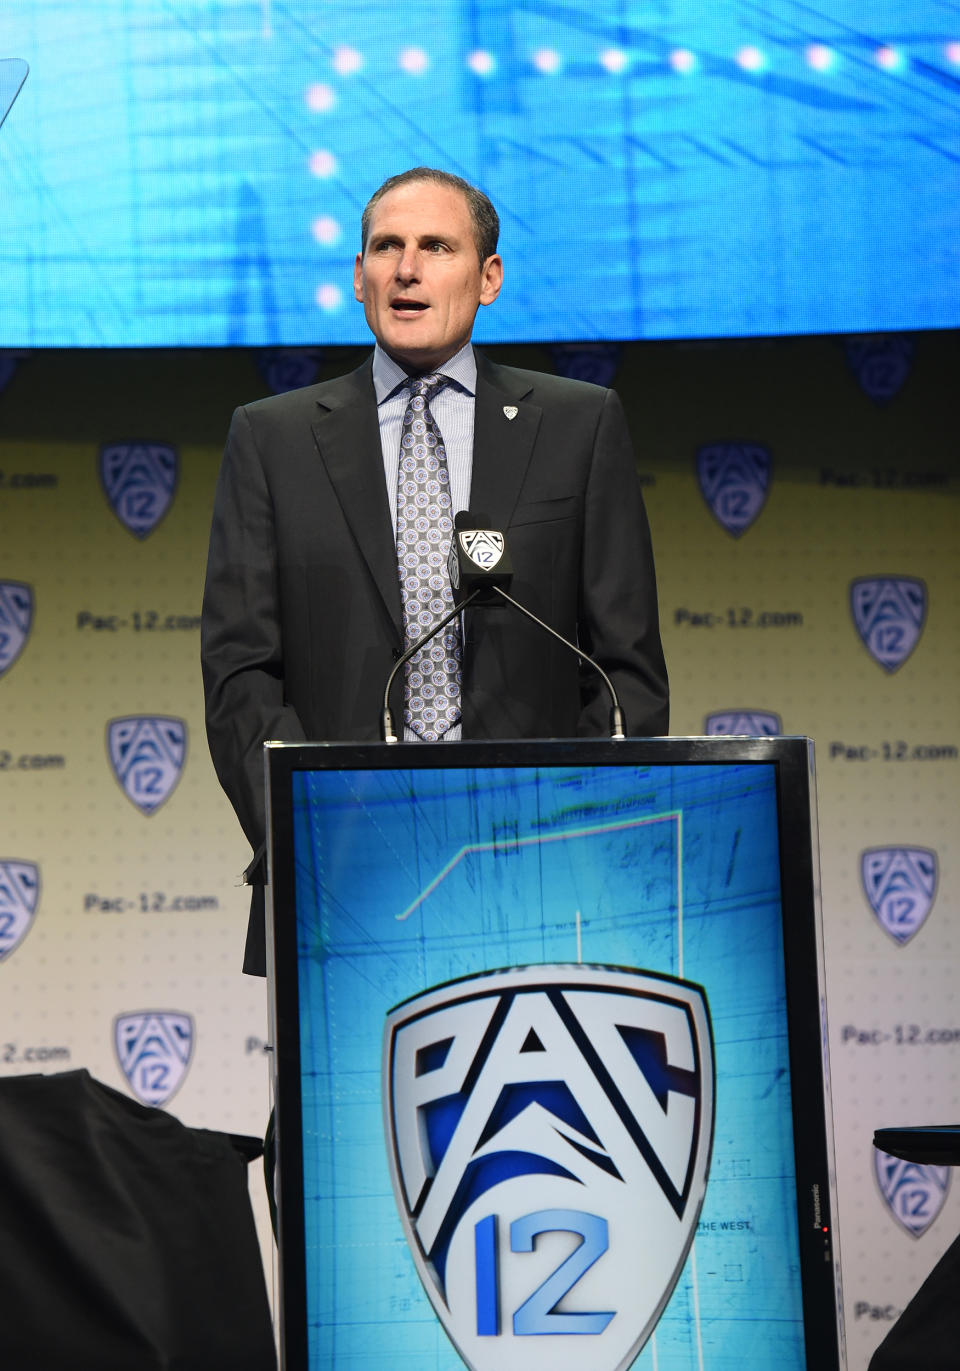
[{"x": 304, "y": 611}]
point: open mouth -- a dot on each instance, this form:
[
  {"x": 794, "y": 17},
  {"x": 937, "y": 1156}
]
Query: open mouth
[{"x": 407, "y": 306}]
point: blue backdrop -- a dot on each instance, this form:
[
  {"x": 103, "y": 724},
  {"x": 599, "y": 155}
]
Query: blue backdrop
[{"x": 191, "y": 172}]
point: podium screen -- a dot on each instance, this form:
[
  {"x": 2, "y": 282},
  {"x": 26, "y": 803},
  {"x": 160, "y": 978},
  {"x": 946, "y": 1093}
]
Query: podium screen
[{"x": 543, "y": 1113}]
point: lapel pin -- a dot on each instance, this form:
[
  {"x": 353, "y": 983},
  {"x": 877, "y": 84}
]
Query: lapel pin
[{"x": 510, "y": 411}]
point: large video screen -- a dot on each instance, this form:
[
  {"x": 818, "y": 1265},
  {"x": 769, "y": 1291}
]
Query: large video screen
[
  {"x": 191, "y": 172},
  {"x": 544, "y": 1074}
]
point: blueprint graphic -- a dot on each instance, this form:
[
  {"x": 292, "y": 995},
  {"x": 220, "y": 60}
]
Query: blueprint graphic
[{"x": 191, "y": 172}]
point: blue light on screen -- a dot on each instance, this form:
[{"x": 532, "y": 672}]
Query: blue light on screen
[
  {"x": 409, "y": 879},
  {"x": 191, "y": 172}
]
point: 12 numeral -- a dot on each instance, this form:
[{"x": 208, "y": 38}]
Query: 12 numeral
[{"x": 537, "y": 1313}]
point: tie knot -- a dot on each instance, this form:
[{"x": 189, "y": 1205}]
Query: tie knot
[{"x": 427, "y": 386}]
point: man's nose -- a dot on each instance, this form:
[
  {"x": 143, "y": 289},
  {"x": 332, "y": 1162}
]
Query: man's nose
[{"x": 408, "y": 265}]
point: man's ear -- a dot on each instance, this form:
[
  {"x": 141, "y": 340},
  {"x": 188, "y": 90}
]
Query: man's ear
[
  {"x": 358, "y": 278},
  {"x": 491, "y": 279}
]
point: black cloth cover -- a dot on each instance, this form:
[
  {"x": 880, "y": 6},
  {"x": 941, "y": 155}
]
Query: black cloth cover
[
  {"x": 127, "y": 1242},
  {"x": 926, "y": 1337}
]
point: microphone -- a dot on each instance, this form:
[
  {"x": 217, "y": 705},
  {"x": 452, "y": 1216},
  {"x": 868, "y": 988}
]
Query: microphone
[{"x": 480, "y": 569}]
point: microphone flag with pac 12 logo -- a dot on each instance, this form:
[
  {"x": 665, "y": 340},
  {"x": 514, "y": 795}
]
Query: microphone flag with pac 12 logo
[
  {"x": 548, "y": 1133},
  {"x": 479, "y": 559}
]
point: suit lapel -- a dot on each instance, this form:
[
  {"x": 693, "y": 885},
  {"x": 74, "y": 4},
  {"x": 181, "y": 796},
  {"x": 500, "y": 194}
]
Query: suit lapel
[
  {"x": 502, "y": 446},
  {"x": 348, "y": 438}
]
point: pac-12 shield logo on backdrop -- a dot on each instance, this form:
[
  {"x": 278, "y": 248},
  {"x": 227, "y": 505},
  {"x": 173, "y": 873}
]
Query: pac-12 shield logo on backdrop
[
  {"x": 147, "y": 752},
  {"x": 16, "y": 620},
  {"x": 889, "y": 613},
  {"x": 139, "y": 479},
  {"x": 743, "y": 723},
  {"x": 595, "y": 362},
  {"x": 19, "y": 892},
  {"x": 548, "y": 1133},
  {"x": 8, "y": 365},
  {"x": 8, "y": 357},
  {"x": 900, "y": 883},
  {"x": 881, "y": 364},
  {"x": 154, "y": 1049},
  {"x": 734, "y": 479},
  {"x": 914, "y": 1193},
  {"x": 286, "y": 369}
]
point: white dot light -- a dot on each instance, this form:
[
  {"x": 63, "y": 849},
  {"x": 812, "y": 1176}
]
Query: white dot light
[
  {"x": 888, "y": 58},
  {"x": 614, "y": 60},
  {"x": 683, "y": 61},
  {"x": 326, "y": 230},
  {"x": 547, "y": 60},
  {"x": 820, "y": 57},
  {"x": 952, "y": 51},
  {"x": 751, "y": 59},
  {"x": 321, "y": 98},
  {"x": 414, "y": 61},
  {"x": 322, "y": 163},
  {"x": 329, "y": 296},
  {"x": 347, "y": 60},
  {"x": 481, "y": 63}
]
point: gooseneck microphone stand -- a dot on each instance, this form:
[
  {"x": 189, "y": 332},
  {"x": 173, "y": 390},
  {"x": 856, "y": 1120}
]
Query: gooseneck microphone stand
[
  {"x": 386, "y": 716},
  {"x": 617, "y": 733}
]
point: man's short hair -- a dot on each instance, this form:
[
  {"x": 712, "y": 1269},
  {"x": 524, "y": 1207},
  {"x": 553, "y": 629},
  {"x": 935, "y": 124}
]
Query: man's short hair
[{"x": 486, "y": 222}]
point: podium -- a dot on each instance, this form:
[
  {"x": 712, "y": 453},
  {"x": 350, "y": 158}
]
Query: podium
[{"x": 549, "y": 1056}]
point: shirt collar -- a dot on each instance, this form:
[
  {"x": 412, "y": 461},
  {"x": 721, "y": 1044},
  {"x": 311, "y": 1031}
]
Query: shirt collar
[{"x": 388, "y": 376}]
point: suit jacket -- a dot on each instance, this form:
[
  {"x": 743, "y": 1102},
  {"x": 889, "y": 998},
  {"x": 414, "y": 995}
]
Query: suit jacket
[{"x": 302, "y": 617}]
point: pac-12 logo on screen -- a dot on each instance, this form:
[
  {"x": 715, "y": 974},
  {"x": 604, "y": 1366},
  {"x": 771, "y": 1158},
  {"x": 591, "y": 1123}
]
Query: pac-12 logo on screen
[
  {"x": 914, "y": 1193},
  {"x": 734, "y": 479},
  {"x": 147, "y": 752},
  {"x": 19, "y": 892},
  {"x": 889, "y": 613},
  {"x": 16, "y": 620},
  {"x": 548, "y": 1133},
  {"x": 139, "y": 479},
  {"x": 154, "y": 1049},
  {"x": 743, "y": 723},
  {"x": 900, "y": 883}
]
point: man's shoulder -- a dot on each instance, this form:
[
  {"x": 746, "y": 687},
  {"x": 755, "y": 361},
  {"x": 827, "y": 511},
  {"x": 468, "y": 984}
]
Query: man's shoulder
[{"x": 304, "y": 402}]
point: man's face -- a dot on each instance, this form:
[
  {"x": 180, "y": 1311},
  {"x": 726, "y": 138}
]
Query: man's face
[{"x": 419, "y": 280}]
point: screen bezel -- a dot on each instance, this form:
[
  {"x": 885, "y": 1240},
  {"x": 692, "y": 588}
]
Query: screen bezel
[{"x": 792, "y": 760}]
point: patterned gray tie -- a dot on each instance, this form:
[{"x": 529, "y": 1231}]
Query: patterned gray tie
[{"x": 424, "y": 529}]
